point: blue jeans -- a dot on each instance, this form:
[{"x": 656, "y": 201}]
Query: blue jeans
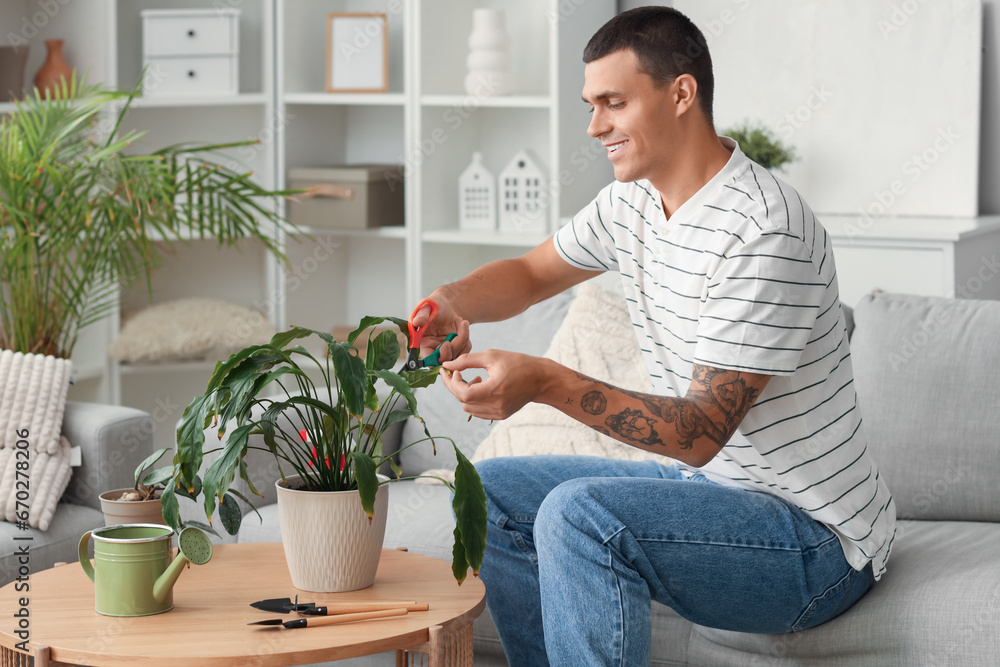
[{"x": 578, "y": 546}]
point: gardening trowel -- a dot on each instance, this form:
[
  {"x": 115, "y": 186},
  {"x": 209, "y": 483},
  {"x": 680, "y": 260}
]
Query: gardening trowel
[{"x": 330, "y": 620}]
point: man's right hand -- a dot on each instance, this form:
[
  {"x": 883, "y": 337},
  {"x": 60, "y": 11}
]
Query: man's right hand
[{"x": 446, "y": 321}]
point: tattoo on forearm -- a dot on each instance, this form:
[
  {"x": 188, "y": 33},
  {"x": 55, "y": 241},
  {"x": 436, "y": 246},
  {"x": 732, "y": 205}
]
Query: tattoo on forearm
[
  {"x": 594, "y": 403},
  {"x": 723, "y": 393},
  {"x": 635, "y": 426}
]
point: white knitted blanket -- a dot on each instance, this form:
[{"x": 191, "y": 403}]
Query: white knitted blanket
[
  {"x": 34, "y": 458},
  {"x": 597, "y": 339}
]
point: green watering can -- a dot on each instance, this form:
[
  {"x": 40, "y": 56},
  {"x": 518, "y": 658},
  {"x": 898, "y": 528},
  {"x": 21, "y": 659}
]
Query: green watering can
[{"x": 132, "y": 571}]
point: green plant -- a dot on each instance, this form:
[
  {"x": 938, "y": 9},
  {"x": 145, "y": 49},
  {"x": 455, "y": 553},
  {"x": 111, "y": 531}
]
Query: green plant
[
  {"x": 149, "y": 486},
  {"x": 79, "y": 213},
  {"x": 264, "y": 389},
  {"x": 760, "y": 145}
]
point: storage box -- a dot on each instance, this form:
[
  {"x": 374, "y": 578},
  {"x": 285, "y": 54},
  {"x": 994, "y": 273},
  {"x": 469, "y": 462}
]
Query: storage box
[
  {"x": 361, "y": 196},
  {"x": 190, "y": 52}
]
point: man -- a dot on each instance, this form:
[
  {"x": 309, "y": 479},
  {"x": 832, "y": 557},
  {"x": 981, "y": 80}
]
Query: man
[{"x": 774, "y": 518}]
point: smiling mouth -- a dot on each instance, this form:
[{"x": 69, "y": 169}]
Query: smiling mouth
[{"x": 615, "y": 147}]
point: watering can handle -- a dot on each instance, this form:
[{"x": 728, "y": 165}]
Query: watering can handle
[{"x": 84, "y": 557}]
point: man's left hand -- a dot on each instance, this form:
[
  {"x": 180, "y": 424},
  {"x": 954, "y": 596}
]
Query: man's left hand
[{"x": 512, "y": 381}]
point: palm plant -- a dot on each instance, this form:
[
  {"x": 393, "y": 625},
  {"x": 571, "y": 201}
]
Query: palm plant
[{"x": 79, "y": 214}]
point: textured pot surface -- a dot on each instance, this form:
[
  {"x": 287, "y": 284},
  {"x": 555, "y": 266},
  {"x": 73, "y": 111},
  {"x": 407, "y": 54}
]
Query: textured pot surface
[
  {"x": 130, "y": 511},
  {"x": 330, "y": 545}
]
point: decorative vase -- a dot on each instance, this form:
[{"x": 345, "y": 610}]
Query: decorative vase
[
  {"x": 489, "y": 62},
  {"x": 118, "y": 511},
  {"x": 12, "y": 62},
  {"x": 330, "y": 545},
  {"x": 49, "y": 78}
]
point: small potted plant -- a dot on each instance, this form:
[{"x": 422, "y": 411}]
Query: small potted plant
[
  {"x": 760, "y": 145},
  {"x": 269, "y": 391},
  {"x": 141, "y": 502}
]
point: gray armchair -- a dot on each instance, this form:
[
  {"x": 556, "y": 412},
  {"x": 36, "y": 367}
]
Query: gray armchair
[{"x": 113, "y": 440}]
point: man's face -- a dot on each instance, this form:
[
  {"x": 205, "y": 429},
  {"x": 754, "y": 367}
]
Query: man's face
[{"x": 633, "y": 118}]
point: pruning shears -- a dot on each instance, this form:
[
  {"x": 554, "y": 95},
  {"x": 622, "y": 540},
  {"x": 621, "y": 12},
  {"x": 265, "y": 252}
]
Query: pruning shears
[{"x": 412, "y": 362}]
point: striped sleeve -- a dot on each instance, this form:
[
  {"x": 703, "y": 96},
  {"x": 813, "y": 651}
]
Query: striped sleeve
[
  {"x": 586, "y": 241},
  {"x": 761, "y": 304}
]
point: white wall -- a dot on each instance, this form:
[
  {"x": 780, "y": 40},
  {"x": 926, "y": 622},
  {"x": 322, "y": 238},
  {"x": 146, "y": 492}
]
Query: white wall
[{"x": 989, "y": 159}]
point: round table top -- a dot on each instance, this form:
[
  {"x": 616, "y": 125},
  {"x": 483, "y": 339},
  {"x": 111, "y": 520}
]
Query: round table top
[{"x": 208, "y": 624}]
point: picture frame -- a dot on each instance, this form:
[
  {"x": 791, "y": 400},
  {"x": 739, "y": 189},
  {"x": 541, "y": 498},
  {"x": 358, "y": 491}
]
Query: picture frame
[{"x": 357, "y": 52}]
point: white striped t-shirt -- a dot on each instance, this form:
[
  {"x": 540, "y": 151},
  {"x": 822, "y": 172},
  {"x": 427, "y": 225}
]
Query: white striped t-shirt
[{"x": 742, "y": 277}]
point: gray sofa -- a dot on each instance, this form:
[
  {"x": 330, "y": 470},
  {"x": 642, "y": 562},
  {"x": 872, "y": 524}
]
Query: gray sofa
[
  {"x": 926, "y": 377},
  {"x": 113, "y": 440}
]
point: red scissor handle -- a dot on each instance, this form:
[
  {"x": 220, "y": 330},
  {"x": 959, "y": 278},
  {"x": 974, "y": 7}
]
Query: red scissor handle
[{"x": 417, "y": 333}]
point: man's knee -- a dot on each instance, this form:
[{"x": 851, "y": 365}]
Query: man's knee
[{"x": 565, "y": 508}]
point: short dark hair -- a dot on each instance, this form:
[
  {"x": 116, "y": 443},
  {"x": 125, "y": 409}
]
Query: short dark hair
[{"x": 667, "y": 44}]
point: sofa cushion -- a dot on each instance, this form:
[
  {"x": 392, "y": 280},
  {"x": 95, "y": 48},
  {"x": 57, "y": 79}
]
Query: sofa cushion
[
  {"x": 937, "y": 604},
  {"x": 596, "y": 338},
  {"x": 925, "y": 373},
  {"x": 57, "y": 543}
]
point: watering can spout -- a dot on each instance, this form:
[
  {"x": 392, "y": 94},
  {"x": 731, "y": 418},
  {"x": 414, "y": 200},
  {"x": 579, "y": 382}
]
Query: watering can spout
[
  {"x": 165, "y": 582},
  {"x": 193, "y": 547}
]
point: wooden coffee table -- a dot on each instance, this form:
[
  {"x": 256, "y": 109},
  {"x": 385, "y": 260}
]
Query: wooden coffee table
[{"x": 208, "y": 624}]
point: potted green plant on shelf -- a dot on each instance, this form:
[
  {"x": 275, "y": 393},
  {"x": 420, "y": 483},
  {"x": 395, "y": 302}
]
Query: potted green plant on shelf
[
  {"x": 267, "y": 391},
  {"x": 760, "y": 145},
  {"x": 81, "y": 215},
  {"x": 141, "y": 502}
]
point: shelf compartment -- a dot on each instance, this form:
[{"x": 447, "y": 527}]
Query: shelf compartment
[
  {"x": 498, "y": 102},
  {"x": 243, "y": 99},
  {"x": 398, "y": 232},
  {"x": 357, "y": 99},
  {"x": 303, "y": 41},
  {"x": 348, "y": 134},
  {"x": 460, "y": 237}
]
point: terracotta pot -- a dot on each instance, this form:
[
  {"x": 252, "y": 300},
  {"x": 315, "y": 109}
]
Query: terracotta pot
[
  {"x": 12, "y": 62},
  {"x": 130, "y": 511},
  {"x": 330, "y": 546},
  {"x": 49, "y": 78}
]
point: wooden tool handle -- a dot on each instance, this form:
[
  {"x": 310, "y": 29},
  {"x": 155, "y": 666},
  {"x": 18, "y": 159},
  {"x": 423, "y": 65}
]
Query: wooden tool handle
[
  {"x": 349, "y": 608},
  {"x": 347, "y": 618}
]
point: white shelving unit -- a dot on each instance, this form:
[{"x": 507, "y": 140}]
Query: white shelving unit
[{"x": 425, "y": 121}]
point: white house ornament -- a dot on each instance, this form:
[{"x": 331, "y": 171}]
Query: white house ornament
[
  {"x": 523, "y": 204},
  {"x": 477, "y": 198}
]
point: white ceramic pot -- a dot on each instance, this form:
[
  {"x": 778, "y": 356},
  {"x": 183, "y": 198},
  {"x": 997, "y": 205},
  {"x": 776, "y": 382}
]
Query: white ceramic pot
[{"x": 330, "y": 546}]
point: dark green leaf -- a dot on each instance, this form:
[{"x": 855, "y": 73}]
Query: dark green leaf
[
  {"x": 283, "y": 338},
  {"x": 400, "y": 385},
  {"x": 171, "y": 513},
  {"x": 469, "y": 504},
  {"x": 459, "y": 563},
  {"x": 149, "y": 461},
  {"x": 193, "y": 495},
  {"x": 159, "y": 476},
  {"x": 383, "y": 351},
  {"x": 219, "y": 475},
  {"x": 351, "y": 375},
  {"x": 364, "y": 473},
  {"x": 369, "y": 321},
  {"x": 422, "y": 377},
  {"x": 191, "y": 439},
  {"x": 230, "y": 514},
  {"x": 395, "y": 417}
]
